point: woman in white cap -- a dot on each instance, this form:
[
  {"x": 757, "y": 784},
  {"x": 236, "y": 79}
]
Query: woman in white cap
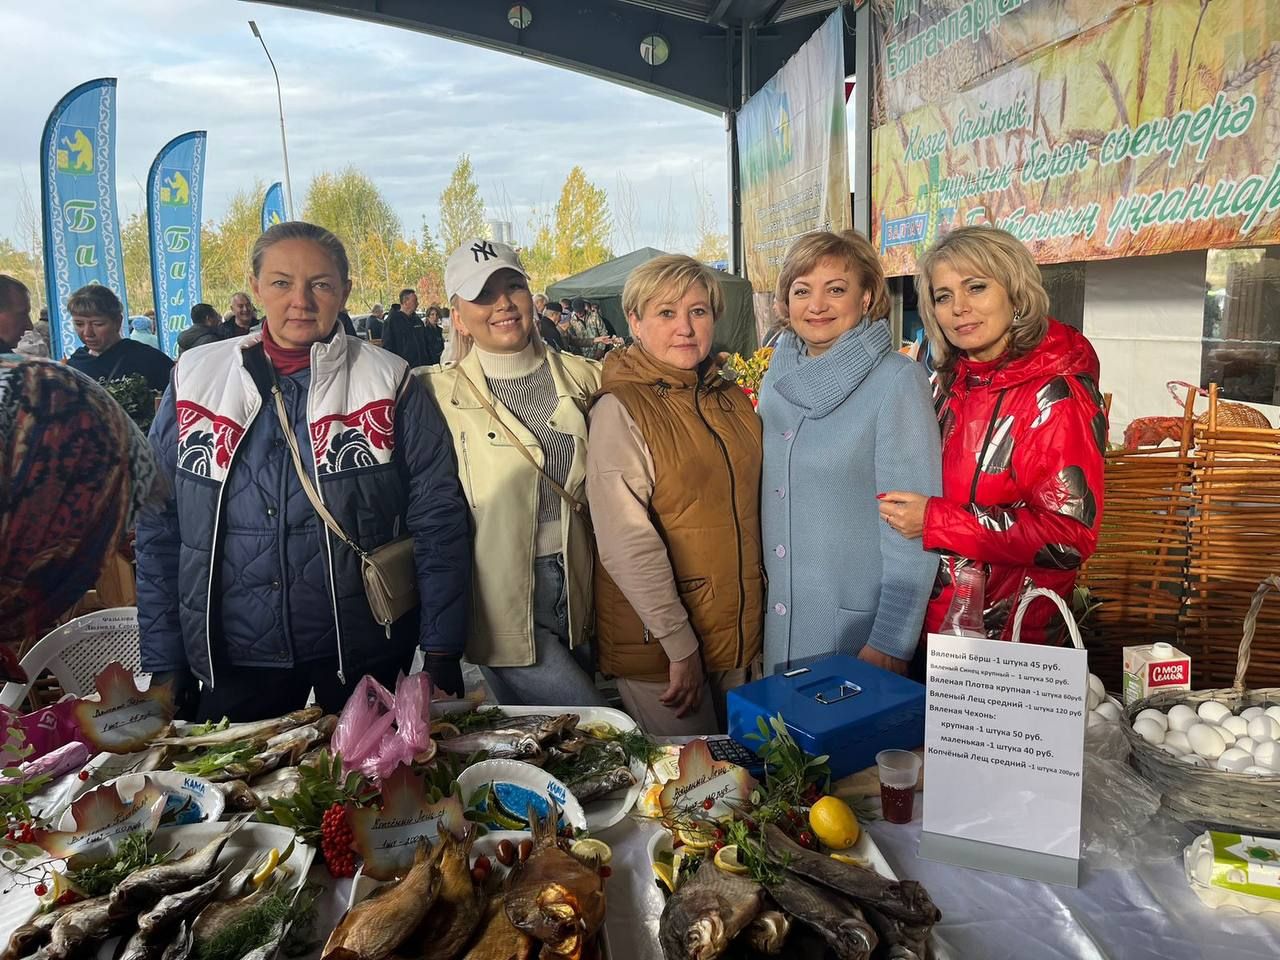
[{"x": 517, "y": 412}]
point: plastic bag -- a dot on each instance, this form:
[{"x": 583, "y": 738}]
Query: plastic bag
[
  {"x": 46, "y": 729},
  {"x": 1121, "y": 823},
  {"x": 377, "y": 731}
]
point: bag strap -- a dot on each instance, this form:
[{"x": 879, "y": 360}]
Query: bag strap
[
  {"x": 573, "y": 502},
  {"x": 307, "y": 486}
]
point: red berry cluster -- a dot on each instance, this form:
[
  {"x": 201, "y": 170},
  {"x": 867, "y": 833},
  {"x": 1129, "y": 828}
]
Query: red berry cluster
[
  {"x": 335, "y": 842},
  {"x": 21, "y": 833}
]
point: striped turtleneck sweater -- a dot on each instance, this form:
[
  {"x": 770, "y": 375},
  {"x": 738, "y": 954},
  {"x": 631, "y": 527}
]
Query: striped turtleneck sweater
[{"x": 522, "y": 383}]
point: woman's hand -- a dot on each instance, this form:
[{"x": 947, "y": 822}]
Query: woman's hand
[
  {"x": 904, "y": 512},
  {"x": 869, "y": 654},
  {"x": 684, "y": 689}
]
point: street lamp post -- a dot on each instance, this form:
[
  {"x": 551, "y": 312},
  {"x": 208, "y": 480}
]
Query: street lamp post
[{"x": 284, "y": 146}]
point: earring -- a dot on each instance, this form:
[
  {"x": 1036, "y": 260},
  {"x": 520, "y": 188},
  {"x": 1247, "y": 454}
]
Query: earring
[{"x": 1017, "y": 315}]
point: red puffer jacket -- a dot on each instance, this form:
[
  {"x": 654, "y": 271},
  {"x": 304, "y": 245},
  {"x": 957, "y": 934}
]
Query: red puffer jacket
[{"x": 1022, "y": 482}]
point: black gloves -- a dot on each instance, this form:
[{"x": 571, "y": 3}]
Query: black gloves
[
  {"x": 185, "y": 689},
  {"x": 445, "y": 670}
]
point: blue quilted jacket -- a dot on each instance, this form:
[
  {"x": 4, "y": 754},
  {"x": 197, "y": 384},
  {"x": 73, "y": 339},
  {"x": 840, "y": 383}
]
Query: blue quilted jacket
[{"x": 237, "y": 569}]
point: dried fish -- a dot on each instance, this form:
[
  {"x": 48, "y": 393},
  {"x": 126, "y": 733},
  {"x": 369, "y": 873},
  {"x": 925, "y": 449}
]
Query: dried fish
[
  {"x": 262, "y": 730},
  {"x": 603, "y": 784},
  {"x": 553, "y": 896},
  {"x": 836, "y": 918},
  {"x": 81, "y": 926},
  {"x": 519, "y": 738},
  {"x": 375, "y": 927},
  {"x": 31, "y": 936},
  {"x": 156, "y": 927},
  {"x": 221, "y": 914},
  {"x": 499, "y": 939},
  {"x": 451, "y": 921},
  {"x": 707, "y": 912},
  {"x": 143, "y": 888},
  {"x": 768, "y": 932}
]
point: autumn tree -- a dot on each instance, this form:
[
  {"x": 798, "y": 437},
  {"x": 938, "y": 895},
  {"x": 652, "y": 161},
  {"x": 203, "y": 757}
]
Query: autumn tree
[
  {"x": 582, "y": 226},
  {"x": 712, "y": 245},
  {"x": 461, "y": 209},
  {"x": 225, "y": 248},
  {"x": 350, "y": 205},
  {"x": 135, "y": 243}
]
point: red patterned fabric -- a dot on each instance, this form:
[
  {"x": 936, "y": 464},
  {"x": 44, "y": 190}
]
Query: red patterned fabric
[{"x": 1038, "y": 427}]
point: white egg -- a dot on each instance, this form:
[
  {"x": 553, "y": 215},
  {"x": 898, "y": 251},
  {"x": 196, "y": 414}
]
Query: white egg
[
  {"x": 1182, "y": 717},
  {"x": 1206, "y": 741},
  {"x": 1091, "y": 700},
  {"x": 1264, "y": 728},
  {"x": 1246, "y": 743},
  {"x": 1227, "y": 736},
  {"x": 1096, "y": 719},
  {"x": 1194, "y": 760},
  {"x": 1178, "y": 740},
  {"x": 1234, "y": 760},
  {"x": 1211, "y": 711},
  {"x": 1097, "y": 686},
  {"x": 1108, "y": 710},
  {"x": 1256, "y": 771},
  {"x": 1149, "y": 731},
  {"x": 1156, "y": 715},
  {"x": 1273, "y": 712},
  {"x": 1267, "y": 754},
  {"x": 1248, "y": 713},
  {"x": 1237, "y": 725}
]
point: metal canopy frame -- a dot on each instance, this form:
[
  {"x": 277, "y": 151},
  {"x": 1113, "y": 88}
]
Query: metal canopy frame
[{"x": 721, "y": 51}]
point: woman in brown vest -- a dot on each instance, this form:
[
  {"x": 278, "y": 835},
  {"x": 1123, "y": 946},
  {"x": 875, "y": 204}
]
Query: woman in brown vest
[{"x": 673, "y": 479}]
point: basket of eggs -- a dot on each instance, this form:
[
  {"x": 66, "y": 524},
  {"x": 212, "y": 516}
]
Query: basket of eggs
[{"x": 1214, "y": 754}]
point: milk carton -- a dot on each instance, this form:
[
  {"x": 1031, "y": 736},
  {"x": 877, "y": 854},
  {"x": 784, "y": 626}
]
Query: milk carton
[{"x": 1154, "y": 668}]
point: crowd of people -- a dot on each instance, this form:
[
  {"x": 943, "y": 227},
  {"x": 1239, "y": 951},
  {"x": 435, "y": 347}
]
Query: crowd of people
[{"x": 569, "y": 503}]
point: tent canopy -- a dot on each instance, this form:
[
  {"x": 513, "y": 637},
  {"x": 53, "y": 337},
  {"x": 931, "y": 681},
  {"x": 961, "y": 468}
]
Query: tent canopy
[{"x": 735, "y": 328}]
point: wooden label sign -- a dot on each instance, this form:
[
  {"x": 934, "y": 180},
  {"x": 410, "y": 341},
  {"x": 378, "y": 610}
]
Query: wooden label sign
[
  {"x": 122, "y": 718},
  {"x": 388, "y": 838},
  {"x": 702, "y": 778}
]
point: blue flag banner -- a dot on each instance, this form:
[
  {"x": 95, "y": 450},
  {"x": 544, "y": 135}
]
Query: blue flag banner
[
  {"x": 78, "y": 204},
  {"x": 273, "y": 206},
  {"x": 174, "y": 189}
]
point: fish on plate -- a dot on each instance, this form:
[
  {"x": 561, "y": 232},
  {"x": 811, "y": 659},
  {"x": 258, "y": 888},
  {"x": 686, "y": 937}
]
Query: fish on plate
[
  {"x": 513, "y": 738},
  {"x": 499, "y": 939},
  {"x": 160, "y": 926},
  {"x": 836, "y": 918},
  {"x": 261, "y": 730},
  {"x": 767, "y": 933},
  {"x": 553, "y": 896},
  {"x": 703, "y": 916},
  {"x": 82, "y": 926},
  {"x": 375, "y": 927},
  {"x": 602, "y": 784},
  {"x": 458, "y": 909},
  {"x": 144, "y": 887}
]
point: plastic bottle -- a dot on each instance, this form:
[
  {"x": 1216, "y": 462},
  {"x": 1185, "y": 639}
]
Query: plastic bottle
[{"x": 964, "y": 616}]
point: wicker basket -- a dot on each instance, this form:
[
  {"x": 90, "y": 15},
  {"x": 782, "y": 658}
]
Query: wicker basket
[{"x": 1213, "y": 796}]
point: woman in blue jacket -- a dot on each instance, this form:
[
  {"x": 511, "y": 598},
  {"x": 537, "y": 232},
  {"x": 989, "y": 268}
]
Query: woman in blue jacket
[
  {"x": 846, "y": 418},
  {"x": 241, "y": 586}
]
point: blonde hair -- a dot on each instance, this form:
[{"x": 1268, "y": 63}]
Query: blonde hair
[
  {"x": 850, "y": 248},
  {"x": 993, "y": 253},
  {"x": 673, "y": 271},
  {"x": 463, "y": 342}
]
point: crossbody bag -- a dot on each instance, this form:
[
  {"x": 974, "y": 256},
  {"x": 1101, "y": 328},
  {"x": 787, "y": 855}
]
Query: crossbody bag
[{"x": 389, "y": 573}]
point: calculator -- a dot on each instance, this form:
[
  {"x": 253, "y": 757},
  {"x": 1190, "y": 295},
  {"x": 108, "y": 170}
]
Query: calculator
[{"x": 726, "y": 748}]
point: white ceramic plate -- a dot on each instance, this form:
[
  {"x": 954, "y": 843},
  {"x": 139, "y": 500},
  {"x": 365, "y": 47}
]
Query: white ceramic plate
[
  {"x": 247, "y": 844},
  {"x": 190, "y": 800},
  {"x": 519, "y": 784},
  {"x": 606, "y": 811}
]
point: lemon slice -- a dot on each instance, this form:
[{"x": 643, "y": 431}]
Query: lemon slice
[
  {"x": 444, "y": 731},
  {"x": 695, "y": 841},
  {"x": 599, "y": 729},
  {"x": 852, "y": 861},
  {"x": 589, "y": 851},
  {"x": 272, "y": 861},
  {"x": 59, "y": 886},
  {"x": 666, "y": 876},
  {"x": 728, "y": 861}
]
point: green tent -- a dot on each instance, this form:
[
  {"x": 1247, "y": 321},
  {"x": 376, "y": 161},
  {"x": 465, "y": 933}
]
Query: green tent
[{"x": 735, "y": 329}]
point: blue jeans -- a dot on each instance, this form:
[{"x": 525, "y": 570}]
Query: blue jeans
[{"x": 559, "y": 677}]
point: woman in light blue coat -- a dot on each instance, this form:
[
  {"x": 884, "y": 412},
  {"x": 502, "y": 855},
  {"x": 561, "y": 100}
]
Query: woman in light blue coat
[{"x": 846, "y": 418}]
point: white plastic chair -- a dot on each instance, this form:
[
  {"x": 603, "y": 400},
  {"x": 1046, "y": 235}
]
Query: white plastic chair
[{"x": 79, "y": 650}]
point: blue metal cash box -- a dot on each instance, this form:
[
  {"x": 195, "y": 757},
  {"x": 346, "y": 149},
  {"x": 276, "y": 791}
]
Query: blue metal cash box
[{"x": 840, "y": 706}]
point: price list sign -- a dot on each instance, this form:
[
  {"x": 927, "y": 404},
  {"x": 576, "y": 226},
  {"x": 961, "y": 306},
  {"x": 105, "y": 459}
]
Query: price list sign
[{"x": 1004, "y": 752}]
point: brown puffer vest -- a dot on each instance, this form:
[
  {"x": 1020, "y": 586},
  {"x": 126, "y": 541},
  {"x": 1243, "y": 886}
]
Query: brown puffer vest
[{"x": 705, "y": 441}]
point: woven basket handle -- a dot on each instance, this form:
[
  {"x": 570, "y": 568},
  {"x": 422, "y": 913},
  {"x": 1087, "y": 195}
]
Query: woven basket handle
[
  {"x": 1072, "y": 629},
  {"x": 1250, "y": 624},
  {"x": 1180, "y": 401}
]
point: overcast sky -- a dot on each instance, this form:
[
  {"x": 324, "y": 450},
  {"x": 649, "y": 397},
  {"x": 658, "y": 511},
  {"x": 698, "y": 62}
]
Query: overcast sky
[{"x": 398, "y": 105}]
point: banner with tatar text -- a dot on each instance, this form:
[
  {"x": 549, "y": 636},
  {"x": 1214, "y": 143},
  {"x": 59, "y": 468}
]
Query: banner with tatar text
[
  {"x": 174, "y": 189},
  {"x": 1114, "y": 128},
  {"x": 793, "y": 154},
  {"x": 78, "y": 204},
  {"x": 273, "y": 207}
]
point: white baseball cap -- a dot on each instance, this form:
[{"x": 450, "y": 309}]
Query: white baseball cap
[{"x": 475, "y": 262}]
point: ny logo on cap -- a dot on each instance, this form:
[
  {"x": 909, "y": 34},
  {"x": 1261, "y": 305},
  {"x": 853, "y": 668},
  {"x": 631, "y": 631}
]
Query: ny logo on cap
[{"x": 483, "y": 249}]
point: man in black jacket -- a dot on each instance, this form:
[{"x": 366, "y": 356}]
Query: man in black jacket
[
  {"x": 403, "y": 333},
  {"x": 243, "y": 317},
  {"x": 204, "y": 328}
]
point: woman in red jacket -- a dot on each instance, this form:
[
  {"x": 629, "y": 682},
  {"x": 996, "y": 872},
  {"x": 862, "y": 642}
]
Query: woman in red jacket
[{"x": 1023, "y": 433}]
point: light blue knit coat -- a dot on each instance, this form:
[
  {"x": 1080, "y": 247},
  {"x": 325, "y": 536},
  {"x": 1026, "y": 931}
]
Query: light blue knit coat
[{"x": 838, "y": 429}]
